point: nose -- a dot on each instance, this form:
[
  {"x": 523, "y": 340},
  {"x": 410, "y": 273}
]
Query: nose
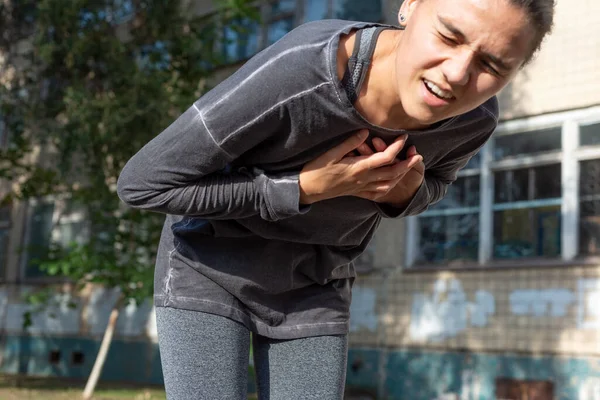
[{"x": 457, "y": 69}]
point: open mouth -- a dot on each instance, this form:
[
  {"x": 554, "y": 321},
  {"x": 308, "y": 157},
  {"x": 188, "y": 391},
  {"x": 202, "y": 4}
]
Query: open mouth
[{"x": 437, "y": 92}]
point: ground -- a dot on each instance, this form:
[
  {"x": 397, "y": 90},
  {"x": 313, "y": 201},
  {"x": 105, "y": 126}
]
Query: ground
[
  {"x": 13, "y": 388},
  {"x": 27, "y": 388}
]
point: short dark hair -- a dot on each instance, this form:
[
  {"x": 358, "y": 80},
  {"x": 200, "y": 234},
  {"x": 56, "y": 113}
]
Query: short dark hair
[{"x": 541, "y": 16}]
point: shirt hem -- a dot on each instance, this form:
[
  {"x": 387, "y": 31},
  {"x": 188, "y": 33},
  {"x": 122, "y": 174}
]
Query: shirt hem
[{"x": 253, "y": 325}]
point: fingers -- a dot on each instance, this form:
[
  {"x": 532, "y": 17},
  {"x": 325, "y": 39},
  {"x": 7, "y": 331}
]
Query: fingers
[
  {"x": 385, "y": 157},
  {"x": 364, "y": 149},
  {"x": 379, "y": 144},
  {"x": 395, "y": 171},
  {"x": 347, "y": 146}
]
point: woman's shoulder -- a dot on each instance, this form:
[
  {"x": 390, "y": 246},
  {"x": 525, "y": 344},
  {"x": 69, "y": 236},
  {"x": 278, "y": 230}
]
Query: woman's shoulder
[
  {"x": 482, "y": 119},
  {"x": 328, "y": 28},
  {"x": 318, "y": 34}
]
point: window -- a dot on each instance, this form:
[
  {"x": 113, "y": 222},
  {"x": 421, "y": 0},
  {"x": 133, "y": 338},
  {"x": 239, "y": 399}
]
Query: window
[
  {"x": 240, "y": 40},
  {"x": 529, "y": 143},
  {"x": 281, "y": 19},
  {"x": 533, "y": 192},
  {"x": 40, "y": 231},
  {"x": 4, "y": 234},
  {"x": 527, "y": 212},
  {"x": 244, "y": 38},
  {"x": 449, "y": 230},
  {"x": 357, "y": 10},
  {"x": 51, "y": 222},
  {"x": 589, "y": 194},
  {"x": 589, "y": 135},
  {"x": 3, "y": 133},
  {"x": 315, "y": 10},
  {"x": 589, "y": 208}
]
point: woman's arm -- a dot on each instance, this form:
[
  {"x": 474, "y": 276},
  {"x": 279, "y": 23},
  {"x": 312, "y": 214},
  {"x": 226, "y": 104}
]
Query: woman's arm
[{"x": 182, "y": 171}]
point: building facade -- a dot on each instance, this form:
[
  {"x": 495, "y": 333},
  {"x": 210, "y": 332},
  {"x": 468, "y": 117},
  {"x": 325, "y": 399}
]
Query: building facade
[{"x": 492, "y": 293}]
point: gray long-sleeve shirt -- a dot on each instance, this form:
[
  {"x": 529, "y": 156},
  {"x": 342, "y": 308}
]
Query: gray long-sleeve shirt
[{"x": 236, "y": 242}]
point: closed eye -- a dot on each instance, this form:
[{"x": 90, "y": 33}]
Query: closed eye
[
  {"x": 489, "y": 67},
  {"x": 448, "y": 39}
]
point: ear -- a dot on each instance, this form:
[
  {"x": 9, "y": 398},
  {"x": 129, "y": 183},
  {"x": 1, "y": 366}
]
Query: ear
[{"x": 406, "y": 9}]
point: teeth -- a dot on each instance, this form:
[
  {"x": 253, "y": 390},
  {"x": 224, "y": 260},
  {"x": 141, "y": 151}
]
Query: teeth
[{"x": 439, "y": 92}]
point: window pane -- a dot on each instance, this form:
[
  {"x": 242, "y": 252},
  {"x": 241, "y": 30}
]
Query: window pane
[
  {"x": 529, "y": 232},
  {"x": 4, "y": 215},
  {"x": 3, "y": 251},
  {"x": 39, "y": 238},
  {"x": 279, "y": 28},
  {"x": 71, "y": 232},
  {"x": 589, "y": 208},
  {"x": 527, "y": 143},
  {"x": 548, "y": 182},
  {"x": 527, "y": 184},
  {"x": 462, "y": 193},
  {"x": 241, "y": 41},
  {"x": 315, "y": 10},
  {"x": 511, "y": 186},
  {"x": 283, "y": 6},
  {"x": 447, "y": 239},
  {"x": 4, "y": 233},
  {"x": 357, "y": 10},
  {"x": 589, "y": 135},
  {"x": 589, "y": 177},
  {"x": 589, "y": 227}
]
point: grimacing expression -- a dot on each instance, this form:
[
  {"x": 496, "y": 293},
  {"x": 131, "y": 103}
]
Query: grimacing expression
[{"x": 456, "y": 54}]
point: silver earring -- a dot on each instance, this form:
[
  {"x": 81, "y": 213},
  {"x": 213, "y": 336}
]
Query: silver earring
[{"x": 402, "y": 18}]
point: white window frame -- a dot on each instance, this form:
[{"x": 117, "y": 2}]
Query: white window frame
[{"x": 569, "y": 157}]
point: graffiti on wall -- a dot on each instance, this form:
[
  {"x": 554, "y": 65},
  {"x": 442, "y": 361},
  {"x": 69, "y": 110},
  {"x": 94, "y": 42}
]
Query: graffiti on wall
[
  {"x": 539, "y": 303},
  {"x": 447, "y": 311},
  {"x": 588, "y": 312}
]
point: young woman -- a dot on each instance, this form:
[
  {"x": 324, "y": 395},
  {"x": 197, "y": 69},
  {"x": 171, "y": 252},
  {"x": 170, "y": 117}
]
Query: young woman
[{"x": 275, "y": 181}]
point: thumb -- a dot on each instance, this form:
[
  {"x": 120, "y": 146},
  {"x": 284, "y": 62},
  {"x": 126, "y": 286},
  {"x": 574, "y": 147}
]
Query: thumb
[{"x": 352, "y": 143}]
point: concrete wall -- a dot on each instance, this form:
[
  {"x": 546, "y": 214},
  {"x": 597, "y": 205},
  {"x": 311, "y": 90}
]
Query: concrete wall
[
  {"x": 552, "y": 310},
  {"x": 565, "y": 75}
]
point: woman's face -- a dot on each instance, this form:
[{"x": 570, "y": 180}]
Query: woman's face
[{"x": 456, "y": 54}]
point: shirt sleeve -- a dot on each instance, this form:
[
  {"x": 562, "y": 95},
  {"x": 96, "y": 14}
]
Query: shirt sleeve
[
  {"x": 183, "y": 170},
  {"x": 437, "y": 179}
]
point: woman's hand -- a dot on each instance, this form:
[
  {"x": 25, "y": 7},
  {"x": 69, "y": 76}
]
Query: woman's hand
[
  {"x": 405, "y": 186},
  {"x": 370, "y": 176}
]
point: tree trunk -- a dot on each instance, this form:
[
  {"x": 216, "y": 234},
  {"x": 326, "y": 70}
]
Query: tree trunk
[{"x": 101, "y": 357}]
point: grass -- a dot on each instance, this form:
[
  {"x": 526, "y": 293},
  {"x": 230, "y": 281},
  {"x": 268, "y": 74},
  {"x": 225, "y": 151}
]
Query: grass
[{"x": 27, "y": 388}]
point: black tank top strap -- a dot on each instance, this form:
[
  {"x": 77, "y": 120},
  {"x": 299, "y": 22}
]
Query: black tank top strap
[{"x": 360, "y": 60}]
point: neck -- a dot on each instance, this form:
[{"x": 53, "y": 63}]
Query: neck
[{"x": 379, "y": 100}]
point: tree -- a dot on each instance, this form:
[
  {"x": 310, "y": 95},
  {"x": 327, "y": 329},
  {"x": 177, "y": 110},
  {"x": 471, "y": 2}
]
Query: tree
[{"x": 84, "y": 85}]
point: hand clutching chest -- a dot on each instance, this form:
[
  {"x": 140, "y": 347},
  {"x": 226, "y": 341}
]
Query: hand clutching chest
[{"x": 354, "y": 169}]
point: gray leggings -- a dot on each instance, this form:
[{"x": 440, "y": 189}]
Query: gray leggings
[{"x": 205, "y": 357}]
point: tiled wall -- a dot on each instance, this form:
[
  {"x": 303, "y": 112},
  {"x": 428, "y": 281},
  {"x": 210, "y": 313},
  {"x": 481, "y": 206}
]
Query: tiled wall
[
  {"x": 565, "y": 75},
  {"x": 533, "y": 310}
]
